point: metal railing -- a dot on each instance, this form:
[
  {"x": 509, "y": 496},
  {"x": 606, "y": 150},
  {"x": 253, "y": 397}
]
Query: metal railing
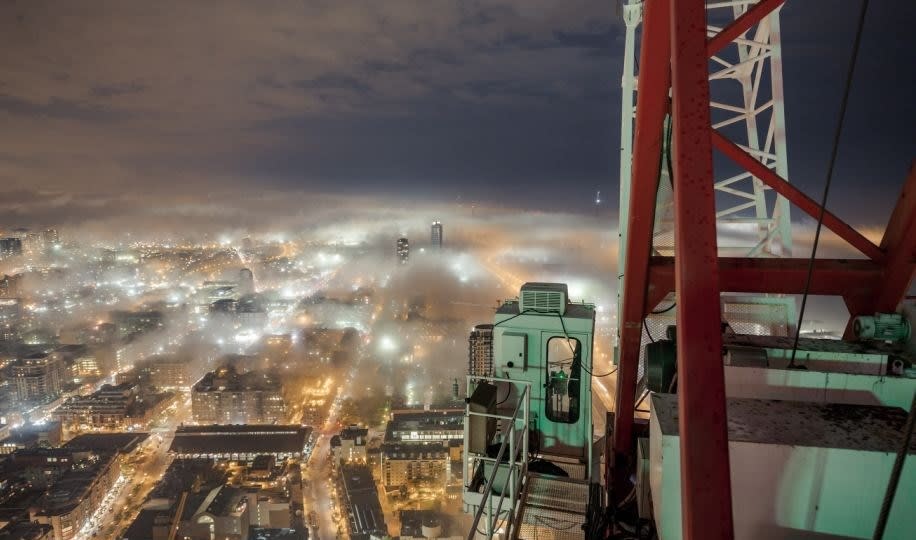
[{"x": 515, "y": 439}]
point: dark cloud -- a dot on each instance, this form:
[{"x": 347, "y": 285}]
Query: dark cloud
[
  {"x": 384, "y": 66},
  {"x": 332, "y": 81},
  {"x": 504, "y": 99},
  {"x": 599, "y": 42},
  {"x": 55, "y": 108},
  {"x": 117, "y": 89}
]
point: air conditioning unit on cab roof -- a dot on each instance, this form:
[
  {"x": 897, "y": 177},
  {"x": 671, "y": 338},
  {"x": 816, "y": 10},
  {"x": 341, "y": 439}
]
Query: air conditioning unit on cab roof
[{"x": 546, "y": 297}]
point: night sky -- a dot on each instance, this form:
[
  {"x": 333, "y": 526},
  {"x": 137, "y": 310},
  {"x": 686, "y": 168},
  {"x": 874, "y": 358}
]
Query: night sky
[{"x": 511, "y": 102}]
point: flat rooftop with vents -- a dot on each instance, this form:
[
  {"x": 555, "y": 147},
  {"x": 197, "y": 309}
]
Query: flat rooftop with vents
[{"x": 239, "y": 442}]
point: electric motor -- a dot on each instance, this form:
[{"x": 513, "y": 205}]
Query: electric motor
[{"x": 882, "y": 327}]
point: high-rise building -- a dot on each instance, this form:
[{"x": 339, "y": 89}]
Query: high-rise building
[
  {"x": 403, "y": 250},
  {"x": 37, "y": 378},
  {"x": 480, "y": 351},
  {"x": 435, "y": 236},
  {"x": 10, "y": 247}
]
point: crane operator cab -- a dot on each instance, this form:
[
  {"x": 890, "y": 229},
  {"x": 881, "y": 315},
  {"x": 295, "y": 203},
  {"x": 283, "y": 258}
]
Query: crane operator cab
[{"x": 540, "y": 392}]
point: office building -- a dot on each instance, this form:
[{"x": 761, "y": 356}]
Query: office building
[
  {"x": 403, "y": 250},
  {"x": 37, "y": 379},
  {"x": 435, "y": 237},
  {"x": 480, "y": 351},
  {"x": 226, "y": 396}
]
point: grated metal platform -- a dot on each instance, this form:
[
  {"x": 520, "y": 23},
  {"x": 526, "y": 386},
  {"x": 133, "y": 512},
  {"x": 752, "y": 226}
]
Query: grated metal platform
[{"x": 553, "y": 509}]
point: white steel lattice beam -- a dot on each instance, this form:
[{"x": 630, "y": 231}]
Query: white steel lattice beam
[{"x": 746, "y": 86}]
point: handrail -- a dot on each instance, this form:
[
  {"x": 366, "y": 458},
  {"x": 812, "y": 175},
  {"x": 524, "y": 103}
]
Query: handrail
[{"x": 508, "y": 436}]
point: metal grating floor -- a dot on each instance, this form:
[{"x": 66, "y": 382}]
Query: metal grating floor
[{"x": 554, "y": 509}]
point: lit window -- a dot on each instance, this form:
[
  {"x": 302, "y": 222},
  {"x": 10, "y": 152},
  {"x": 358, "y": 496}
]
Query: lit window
[{"x": 564, "y": 364}]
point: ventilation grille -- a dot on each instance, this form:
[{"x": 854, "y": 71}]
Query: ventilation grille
[{"x": 543, "y": 297}]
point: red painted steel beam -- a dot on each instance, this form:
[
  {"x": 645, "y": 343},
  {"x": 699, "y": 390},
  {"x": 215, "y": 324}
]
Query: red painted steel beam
[
  {"x": 849, "y": 278},
  {"x": 741, "y": 25},
  {"x": 900, "y": 244},
  {"x": 706, "y": 501},
  {"x": 651, "y": 107},
  {"x": 796, "y": 196}
]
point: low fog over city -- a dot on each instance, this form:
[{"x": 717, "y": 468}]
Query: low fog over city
[{"x": 333, "y": 314}]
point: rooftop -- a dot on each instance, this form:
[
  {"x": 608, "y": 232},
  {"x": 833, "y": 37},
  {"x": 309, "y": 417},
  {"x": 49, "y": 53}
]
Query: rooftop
[
  {"x": 263, "y": 462},
  {"x": 221, "y": 501},
  {"x": 24, "y": 531},
  {"x": 795, "y": 423},
  {"x": 107, "y": 442},
  {"x": 247, "y": 439},
  {"x": 412, "y": 521},
  {"x": 423, "y": 421},
  {"x": 227, "y": 378},
  {"x": 184, "y": 474},
  {"x": 73, "y": 486},
  {"x": 414, "y": 450},
  {"x": 276, "y": 534},
  {"x": 354, "y": 433},
  {"x": 365, "y": 510}
]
